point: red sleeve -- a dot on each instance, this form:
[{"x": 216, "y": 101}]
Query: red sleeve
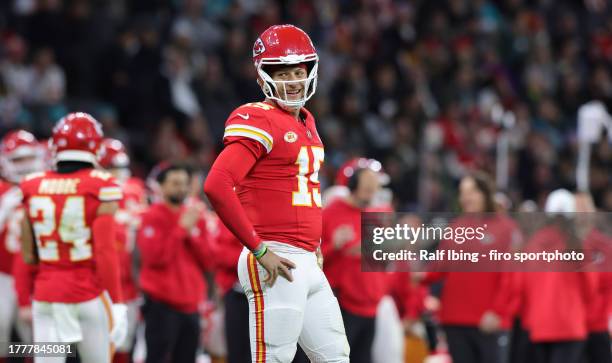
[
  {"x": 250, "y": 124},
  {"x": 590, "y": 281},
  {"x": 230, "y": 168},
  {"x": 107, "y": 256},
  {"x": 158, "y": 246},
  {"x": 605, "y": 283},
  {"x": 24, "y": 275},
  {"x": 409, "y": 299},
  {"x": 107, "y": 190},
  {"x": 505, "y": 302},
  {"x": 400, "y": 292}
]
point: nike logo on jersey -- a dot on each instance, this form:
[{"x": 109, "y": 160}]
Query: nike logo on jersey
[{"x": 246, "y": 117}]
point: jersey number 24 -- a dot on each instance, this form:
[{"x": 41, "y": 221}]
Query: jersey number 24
[{"x": 71, "y": 228}]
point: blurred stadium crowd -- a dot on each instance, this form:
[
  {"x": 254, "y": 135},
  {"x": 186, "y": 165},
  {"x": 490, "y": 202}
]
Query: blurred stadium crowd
[{"x": 411, "y": 83}]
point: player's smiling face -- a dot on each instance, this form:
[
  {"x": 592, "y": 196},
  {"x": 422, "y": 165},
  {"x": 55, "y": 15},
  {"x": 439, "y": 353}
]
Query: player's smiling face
[{"x": 293, "y": 81}]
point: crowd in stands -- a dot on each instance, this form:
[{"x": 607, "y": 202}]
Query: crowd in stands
[{"x": 411, "y": 83}]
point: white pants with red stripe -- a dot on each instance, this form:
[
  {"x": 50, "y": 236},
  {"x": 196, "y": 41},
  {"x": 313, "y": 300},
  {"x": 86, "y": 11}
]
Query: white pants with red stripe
[
  {"x": 304, "y": 311},
  {"x": 87, "y": 324}
]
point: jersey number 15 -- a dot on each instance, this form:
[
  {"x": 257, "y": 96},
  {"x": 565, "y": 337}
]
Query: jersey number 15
[{"x": 303, "y": 197}]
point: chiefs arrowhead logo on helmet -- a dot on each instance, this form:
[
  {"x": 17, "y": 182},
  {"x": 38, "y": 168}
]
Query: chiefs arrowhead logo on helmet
[{"x": 258, "y": 47}]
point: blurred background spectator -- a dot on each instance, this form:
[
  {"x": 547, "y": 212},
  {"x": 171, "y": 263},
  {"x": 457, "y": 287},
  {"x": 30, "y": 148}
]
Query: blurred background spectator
[{"x": 411, "y": 83}]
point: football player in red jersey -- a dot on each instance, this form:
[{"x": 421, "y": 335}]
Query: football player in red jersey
[
  {"x": 116, "y": 161},
  {"x": 70, "y": 234},
  {"x": 20, "y": 154},
  {"x": 272, "y": 157}
]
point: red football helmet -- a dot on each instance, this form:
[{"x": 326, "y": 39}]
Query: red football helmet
[
  {"x": 116, "y": 159},
  {"x": 115, "y": 156},
  {"x": 77, "y": 137},
  {"x": 20, "y": 154},
  {"x": 348, "y": 169},
  {"x": 285, "y": 45},
  {"x": 347, "y": 178}
]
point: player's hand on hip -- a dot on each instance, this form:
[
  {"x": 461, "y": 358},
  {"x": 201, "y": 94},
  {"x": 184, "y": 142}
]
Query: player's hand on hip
[
  {"x": 275, "y": 266},
  {"x": 320, "y": 258}
]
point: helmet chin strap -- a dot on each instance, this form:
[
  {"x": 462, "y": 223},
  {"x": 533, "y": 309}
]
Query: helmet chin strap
[
  {"x": 267, "y": 90},
  {"x": 288, "y": 108},
  {"x": 271, "y": 87}
]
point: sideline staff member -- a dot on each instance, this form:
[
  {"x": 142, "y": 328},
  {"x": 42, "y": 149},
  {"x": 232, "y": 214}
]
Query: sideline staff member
[{"x": 175, "y": 252}]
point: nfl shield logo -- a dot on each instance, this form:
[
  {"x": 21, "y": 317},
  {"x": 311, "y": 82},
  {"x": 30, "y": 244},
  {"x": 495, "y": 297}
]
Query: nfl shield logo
[{"x": 290, "y": 136}]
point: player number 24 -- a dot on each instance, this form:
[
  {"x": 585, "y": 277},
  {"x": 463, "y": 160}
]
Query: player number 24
[
  {"x": 71, "y": 229},
  {"x": 303, "y": 197}
]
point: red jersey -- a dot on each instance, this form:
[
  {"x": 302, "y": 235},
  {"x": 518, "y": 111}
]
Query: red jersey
[
  {"x": 62, "y": 209},
  {"x": 128, "y": 220},
  {"x": 134, "y": 195},
  {"x": 280, "y": 194},
  {"x": 10, "y": 214}
]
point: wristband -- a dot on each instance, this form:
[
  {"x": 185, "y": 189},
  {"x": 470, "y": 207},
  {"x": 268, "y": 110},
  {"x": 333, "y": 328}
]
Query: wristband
[{"x": 260, "y": 252}]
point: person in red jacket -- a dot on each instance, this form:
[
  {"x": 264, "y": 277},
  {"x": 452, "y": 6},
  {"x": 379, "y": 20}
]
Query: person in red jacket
[
  {"x": 600, "y": 310},
  {"x": 599, "y": 313},
  {"x": 475, "y": 306},
  {"x": 173, "y": 245},
  {"x": 556, "y": 304},
  {"x": 358, "y": 293}
]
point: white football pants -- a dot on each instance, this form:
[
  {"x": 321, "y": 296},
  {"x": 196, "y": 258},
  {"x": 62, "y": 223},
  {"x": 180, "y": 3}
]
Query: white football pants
[
  {"x": 304, "y": 311},
  {"x": 87, "y": 324}
]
